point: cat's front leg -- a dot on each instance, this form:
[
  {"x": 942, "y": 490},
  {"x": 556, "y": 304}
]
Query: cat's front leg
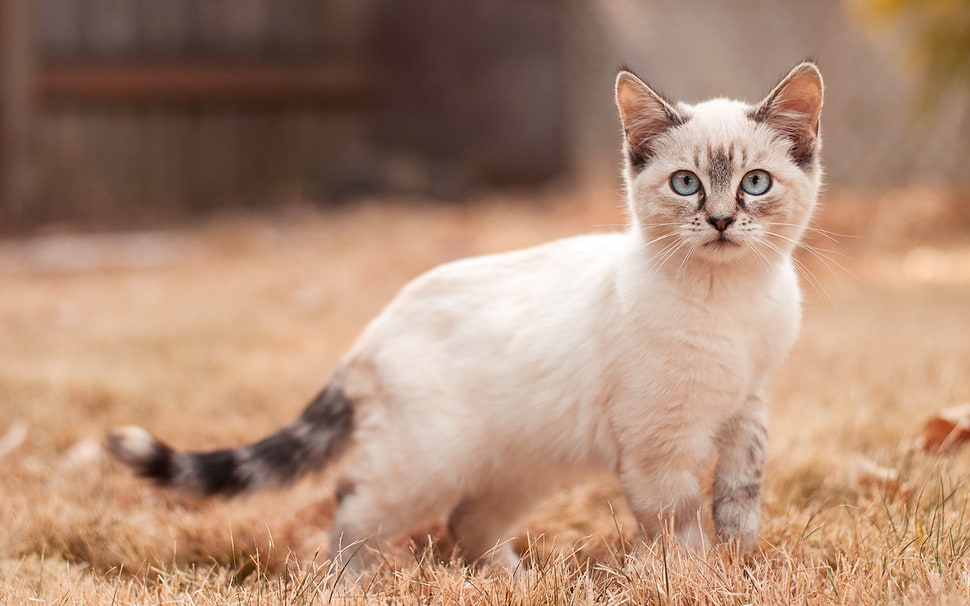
[
  {"x": 739, "y": 474},
  {"x": 665, "y": 498}
]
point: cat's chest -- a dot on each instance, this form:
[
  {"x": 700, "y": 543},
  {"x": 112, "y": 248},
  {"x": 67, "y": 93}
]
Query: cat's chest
[{"x": 690, "y": 349}]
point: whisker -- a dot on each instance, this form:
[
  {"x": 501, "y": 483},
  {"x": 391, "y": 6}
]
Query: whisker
[
  {"x": 822, "y": 254},
  {"x": 761, "y": 257},
  {"x": 662, "y": 250},
  {"x": 654, "y": 225},
  {"x": 830, "y": 235},
  {"x": 648, "y": 226},
  {"x": 802, "y": 244},
  {"x": 672, "y": 250},
  {"x": 804, "y": 270},
  {"x": 662, "y": 253},
  {"x": 683, "y": 262},
  {"x": 657, "y": 239}
]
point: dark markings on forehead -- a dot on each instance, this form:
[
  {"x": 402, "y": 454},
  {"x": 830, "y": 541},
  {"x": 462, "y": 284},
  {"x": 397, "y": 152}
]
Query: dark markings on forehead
[
  {"x": 759, "y": 114},
  {"x": 802, "y": 155},
  {"x": 637, "y": 161},
  {"x": 719, "y": 170},
  {"x": 640, "y": 153}
]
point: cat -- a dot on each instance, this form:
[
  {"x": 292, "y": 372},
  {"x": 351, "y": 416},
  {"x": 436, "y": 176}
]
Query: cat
[{"x": 489, "y": 381}]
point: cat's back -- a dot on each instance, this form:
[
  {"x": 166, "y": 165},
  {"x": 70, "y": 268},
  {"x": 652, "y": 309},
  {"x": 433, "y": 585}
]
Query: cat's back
[
  {"x": 534, "y": 280},
  {"x": 574, "y": 255}
]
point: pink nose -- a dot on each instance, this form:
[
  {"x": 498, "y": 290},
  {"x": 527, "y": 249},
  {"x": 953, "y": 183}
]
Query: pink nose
[{"x": 720, "y": 223}]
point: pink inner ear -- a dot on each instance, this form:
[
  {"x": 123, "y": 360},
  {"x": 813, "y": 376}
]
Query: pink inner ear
[
  {"x": 644, "y": 113},
  {"x": 802, "y": 96},
  {"x": 793, "y": 109},
  {"x": 796, "y": 106}
]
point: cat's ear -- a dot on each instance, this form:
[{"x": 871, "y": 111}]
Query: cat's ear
[
  {"x": 645, "y": 115},
  {"x": 793, "y": 108}
]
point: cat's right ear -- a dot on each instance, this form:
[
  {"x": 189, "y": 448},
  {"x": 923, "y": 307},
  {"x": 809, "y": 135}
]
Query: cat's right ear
[
  {"x": 793, "y": 109},
  {"x": 645, "y": 115}
]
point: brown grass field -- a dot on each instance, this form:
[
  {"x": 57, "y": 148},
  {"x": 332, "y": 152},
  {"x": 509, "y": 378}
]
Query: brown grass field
[{"x": 217, "y": 334}]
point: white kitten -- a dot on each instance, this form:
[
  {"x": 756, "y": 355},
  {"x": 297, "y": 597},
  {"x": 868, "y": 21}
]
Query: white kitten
[{"x": 489, "y": 381}]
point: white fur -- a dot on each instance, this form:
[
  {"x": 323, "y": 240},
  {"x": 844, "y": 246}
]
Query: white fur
[
  {"x": 490, "y": 380},
  {"x": 133, "y": 444}
]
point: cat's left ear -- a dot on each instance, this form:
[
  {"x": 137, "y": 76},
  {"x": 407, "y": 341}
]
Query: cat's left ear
[
  {"x": 645, "y": 115},
  {"x": 793, "y": 108}
]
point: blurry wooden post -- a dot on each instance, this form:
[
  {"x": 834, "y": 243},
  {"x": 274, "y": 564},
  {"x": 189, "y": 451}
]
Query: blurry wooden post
[{"x": 17, "y": 65}]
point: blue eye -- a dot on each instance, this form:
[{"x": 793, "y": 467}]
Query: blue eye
[
  {"x": 756, "y": 182},
  {"x": 685, "y": 182}
]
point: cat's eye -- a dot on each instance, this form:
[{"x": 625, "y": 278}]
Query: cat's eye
[
  {"x": 756, "y": 182},
  {"x": 684, "y": 182}
]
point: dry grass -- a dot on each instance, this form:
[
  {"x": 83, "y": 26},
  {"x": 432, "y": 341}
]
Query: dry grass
[{"x": 215, "y": 335}]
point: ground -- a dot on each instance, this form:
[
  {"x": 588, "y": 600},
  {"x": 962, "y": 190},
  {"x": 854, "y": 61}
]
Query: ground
[{"x": 216, "y": 334}]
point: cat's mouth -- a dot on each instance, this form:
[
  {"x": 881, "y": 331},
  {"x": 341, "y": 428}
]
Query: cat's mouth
[{"x": 722, "y": 241}]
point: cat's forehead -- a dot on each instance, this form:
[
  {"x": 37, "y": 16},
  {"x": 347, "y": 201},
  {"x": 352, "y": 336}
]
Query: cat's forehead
[
  {"x": 719, "y": 124},
  {"x": 718, "y": 109},
  {"x": 718, "y": 118}
]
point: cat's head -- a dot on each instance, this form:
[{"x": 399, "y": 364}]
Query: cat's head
[{"x": 722, "y": 180}]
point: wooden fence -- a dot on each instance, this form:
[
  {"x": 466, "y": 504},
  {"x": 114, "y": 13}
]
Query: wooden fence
[
  {"x": 133, "y": 109},
  {"x": 130, "y": 111}
]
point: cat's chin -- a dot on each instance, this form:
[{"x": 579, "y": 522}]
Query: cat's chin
[
  {"x": 723, "y": 250},
  {"x": 722, "y": 243}
]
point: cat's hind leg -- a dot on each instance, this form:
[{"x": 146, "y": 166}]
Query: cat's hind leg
[
  {"x": 739, "y": 475},
  {"x": 359, "y": 528},
  {"x": 371, "y": 513},
  {"x": 482, "y": 526}
]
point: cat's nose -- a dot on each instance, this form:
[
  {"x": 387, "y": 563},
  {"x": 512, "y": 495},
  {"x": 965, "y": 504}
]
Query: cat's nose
[{"x": 721, "y": 223}]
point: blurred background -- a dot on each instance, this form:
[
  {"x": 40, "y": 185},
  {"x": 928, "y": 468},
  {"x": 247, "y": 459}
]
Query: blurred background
[{"x": 134, "y": 113}]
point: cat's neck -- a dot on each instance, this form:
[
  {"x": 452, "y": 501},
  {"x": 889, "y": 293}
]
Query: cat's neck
[{"x": 649, "y": 266}]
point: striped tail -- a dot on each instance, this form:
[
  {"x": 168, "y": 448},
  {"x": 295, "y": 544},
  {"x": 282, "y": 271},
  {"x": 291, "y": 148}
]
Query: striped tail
[{"x": 315, "y": 438}]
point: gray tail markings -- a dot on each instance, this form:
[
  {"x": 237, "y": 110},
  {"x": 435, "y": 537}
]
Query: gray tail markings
[{"x": 315, "y": 438}]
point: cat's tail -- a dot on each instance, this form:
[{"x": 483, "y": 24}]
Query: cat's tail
[{"x": 315, "y": 438}]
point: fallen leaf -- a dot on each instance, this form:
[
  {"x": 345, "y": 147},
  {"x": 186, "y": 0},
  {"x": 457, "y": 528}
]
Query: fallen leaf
[{"x": 946, "y": 430}]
